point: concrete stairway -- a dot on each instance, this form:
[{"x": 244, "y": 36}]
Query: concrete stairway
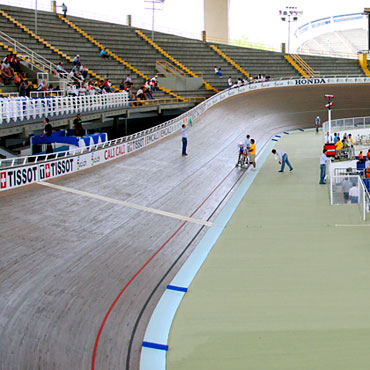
[
  {"x": 197, "y": 56},
  {"x": 257, "y": 62},
  {"x": 328, "y": 66}
]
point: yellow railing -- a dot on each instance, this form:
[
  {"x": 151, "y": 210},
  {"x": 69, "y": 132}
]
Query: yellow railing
[
  {"x": 229, "y": 60},
  {"x": 116, "y": 57},
  {"x": 44, "y": 42},
  {"x": 304, "y": 65},
  {"x": 173, "y": 60},
  {"x": 296, "y": 66}
]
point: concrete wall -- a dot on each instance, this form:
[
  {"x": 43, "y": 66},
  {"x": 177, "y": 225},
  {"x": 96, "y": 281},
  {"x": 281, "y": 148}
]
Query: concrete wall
[{"x": 216, "y": 19}]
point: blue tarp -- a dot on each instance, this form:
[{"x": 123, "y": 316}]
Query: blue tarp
[{"x": 59, "y": 137}]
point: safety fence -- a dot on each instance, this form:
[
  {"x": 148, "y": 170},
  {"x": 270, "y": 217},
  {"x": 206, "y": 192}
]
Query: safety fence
[
  {"x": 350, "y": 189},
  {"x": 16, "y": 171},
  {"x": 22, "y": 108},
  {"x": 347, "y": 124}
]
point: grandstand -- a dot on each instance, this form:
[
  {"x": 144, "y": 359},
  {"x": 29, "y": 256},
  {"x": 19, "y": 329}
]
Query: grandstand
[
  {"x": 340, "y": 35},
  {"x": 88, "y": 255}
]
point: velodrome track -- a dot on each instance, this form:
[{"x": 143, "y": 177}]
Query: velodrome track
[{"x": 80, "y": 276}]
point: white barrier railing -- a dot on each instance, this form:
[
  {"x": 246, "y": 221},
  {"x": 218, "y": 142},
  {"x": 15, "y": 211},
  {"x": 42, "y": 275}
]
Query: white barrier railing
[
  {"x": 21, "y": 108},
  {"x": 346, "y": 124},
  {"x": 19, "y": 173},
  {"x": 349, "y": 189}
]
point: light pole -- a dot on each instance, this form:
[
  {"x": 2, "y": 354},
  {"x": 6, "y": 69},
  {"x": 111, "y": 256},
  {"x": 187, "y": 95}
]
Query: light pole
[
  {"x": 36, "y": 17},
  {"x": 153, "y": 9},
  {"x": 329, "y": 106},
  {"x": 290, "y": 14}
]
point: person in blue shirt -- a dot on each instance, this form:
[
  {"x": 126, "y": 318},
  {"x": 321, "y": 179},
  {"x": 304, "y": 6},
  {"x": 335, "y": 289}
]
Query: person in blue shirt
[
  {"x": 317, "y": 123},
  {"x": 104, "y": 54}
]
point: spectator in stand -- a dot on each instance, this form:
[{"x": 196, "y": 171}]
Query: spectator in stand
[
  {"x": 42, "y": 86},
  {"x": 15, "y": 63},
  {"x": 368, "y": 155},
  {"x": 218, "y": 71},
  {"x": 338, "y": 144},
  {"x": 7, "y": 72},
  {"x": 61, "y": 71},
  {"x": 64, "y": 10},
  {"x": 104, "y": 54},
  {"x": 140, "y": 94},
  {"x": 122, "y": 85},
  {"x": 17, "y": 79},
  {"x": 128, "y": 80},
  {"x": 229, "y": 82},
  {"x": 107, "y": 86},
  {"x": 148, "y": 90},
  {"x": 83, "y": 71},
  {"x": 155, "y": 82},
  {"x": 76, "y": 61},
  {"x": 78, "y": 127},
  {"x": 29, "y": 88},
  {"x": 23, "y": 88}
]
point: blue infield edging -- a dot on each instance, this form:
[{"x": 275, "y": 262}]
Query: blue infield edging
[{"x": 155, "y": 344}]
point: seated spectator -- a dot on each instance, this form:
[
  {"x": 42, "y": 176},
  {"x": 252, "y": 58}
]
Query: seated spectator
[
  {"x": 83, "y": 71},
  {"x": 218, "y": 71},
  {"x": 154, "y": 83},
  {"x": 122, "y": 85},
  {"x": 344, "y": 144},
  {"x": 15, "y": 63},
  {"x": 148, "y": 90},
  {"x": 140, "y": 94},
  {"x": 76, "y": 61},
  {"x": 338, "y": 144},
  {"x": 61, "y": 71},
  {"x": 7, "y": 72},
  {"x": 17, "y": 79},
  {"x": 107, "y": 86},
  {"x": 104, "y": 54},
  {"x": 42, "y": 86},
  {"x": 229, "y": 82}
]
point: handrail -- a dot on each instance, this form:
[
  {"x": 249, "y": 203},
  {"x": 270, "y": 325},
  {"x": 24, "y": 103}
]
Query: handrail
[
  {"x": 168, "y": 67},
  {"x": 114, "y": 56},
  {"x": 35, "y": 58},
  {"x": 173, "y": 60},
  {"x": 305, "y": 66},
  {"x": 228, "y": 59},
  {"x": 296, "y": 66},
  {"x": 48, "y": 45}
]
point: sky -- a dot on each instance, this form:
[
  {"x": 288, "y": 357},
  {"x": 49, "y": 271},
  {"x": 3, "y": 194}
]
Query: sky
[{"x": 257, "y": 20}]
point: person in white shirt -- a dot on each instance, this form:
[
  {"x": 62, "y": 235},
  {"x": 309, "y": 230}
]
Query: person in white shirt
[
  {"x": 184, "y": 134},
  {"x": 323, "y": 160},
  {"x": 283, "y": 159},
  {"x": 353, "y": 194}
]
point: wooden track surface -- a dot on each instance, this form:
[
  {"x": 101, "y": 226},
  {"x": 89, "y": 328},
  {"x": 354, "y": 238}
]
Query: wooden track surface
[{"x": 80, "y": 276}]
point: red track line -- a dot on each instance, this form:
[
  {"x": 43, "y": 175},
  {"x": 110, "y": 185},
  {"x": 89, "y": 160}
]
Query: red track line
[{"x": 141, "y": 269}]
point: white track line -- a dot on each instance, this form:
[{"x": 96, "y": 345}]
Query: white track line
[
  {"x": 127, "y": 204},
  {"x": 339, "y": 225}
]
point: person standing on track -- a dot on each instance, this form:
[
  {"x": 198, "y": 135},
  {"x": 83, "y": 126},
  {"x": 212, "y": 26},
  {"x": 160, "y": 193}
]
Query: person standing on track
[
  {"x": 252, "y": 153},
  {"x": 283, "y": 159},
  {"x": 184, "y": 134},
  {"x": 323, "y": 160},
  {"x": 317, "y": 123}
]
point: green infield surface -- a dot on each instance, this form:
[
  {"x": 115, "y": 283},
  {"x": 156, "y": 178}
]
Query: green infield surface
[{"x": 287, "y": 284}]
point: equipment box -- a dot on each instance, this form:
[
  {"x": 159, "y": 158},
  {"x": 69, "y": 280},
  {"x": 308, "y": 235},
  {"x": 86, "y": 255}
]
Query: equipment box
[{"x": 331, "y": 151}]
